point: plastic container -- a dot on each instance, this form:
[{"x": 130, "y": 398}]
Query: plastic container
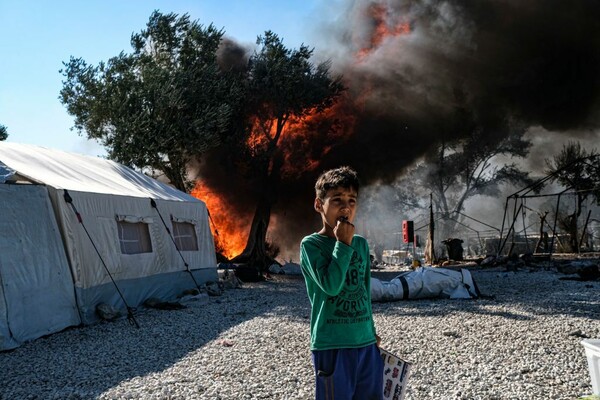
[{"x": 592, "y": 351}]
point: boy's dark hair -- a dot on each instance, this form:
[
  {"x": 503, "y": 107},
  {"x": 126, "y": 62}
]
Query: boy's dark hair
[{"x": 344, "y": 177}]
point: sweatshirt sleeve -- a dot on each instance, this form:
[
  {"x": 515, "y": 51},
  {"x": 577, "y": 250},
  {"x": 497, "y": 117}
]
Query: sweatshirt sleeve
[
  {"x": 327, "y": 271},
  {"x": 368, "y": 281}
]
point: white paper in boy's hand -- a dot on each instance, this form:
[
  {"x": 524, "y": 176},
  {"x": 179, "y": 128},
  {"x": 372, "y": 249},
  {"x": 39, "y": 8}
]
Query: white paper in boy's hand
[{"x": 395, "y": 375}]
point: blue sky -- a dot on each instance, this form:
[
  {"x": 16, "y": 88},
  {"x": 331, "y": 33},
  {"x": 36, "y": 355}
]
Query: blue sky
[{"x": 37, "y": 36}]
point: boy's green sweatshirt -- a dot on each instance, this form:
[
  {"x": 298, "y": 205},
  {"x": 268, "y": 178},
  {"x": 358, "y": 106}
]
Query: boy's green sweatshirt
[{"x": 338, "y": 282}]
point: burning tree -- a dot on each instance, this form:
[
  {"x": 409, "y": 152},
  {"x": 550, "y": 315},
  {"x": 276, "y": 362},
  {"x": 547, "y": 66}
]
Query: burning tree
[
  {"x": 284, "y": 87},
  {"x": 161, "y": 106}
]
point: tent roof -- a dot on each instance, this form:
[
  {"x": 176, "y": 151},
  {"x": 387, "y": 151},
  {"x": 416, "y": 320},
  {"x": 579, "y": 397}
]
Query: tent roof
[{"x": 63, "y": 170}]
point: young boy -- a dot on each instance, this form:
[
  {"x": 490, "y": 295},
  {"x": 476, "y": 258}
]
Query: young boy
[{"x": 336, "y": 267}]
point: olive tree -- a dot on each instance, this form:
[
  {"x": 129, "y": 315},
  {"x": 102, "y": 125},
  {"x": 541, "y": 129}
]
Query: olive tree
[
  {"x": 284, "y": 85},
  {"x": 160, "y": 106}
]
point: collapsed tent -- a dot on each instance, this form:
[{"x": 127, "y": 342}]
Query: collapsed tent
[
  {"x": 79, "y": 231},
  {"x": 426, "y": 282}
]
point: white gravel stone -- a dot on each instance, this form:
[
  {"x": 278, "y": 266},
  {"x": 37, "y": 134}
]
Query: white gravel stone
[{"x": 252, "y": 343}]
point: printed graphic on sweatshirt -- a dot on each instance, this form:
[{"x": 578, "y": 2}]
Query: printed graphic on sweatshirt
[{"x": 351, "y": 304}]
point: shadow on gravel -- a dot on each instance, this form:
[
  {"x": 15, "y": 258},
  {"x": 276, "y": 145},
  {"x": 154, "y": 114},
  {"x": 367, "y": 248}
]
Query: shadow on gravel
[
  {"x": 443, "y": 307},
  {"x": 84, "y": 362}
]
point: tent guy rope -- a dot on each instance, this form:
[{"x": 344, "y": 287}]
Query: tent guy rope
[{"x": 130, "y": 310}]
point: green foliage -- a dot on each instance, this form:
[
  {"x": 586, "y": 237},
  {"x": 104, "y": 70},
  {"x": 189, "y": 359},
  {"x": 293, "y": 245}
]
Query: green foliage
[
  {"x": 283, "y": 86},
  {"x": 3, "y": 132},
  {"x": 284, "y": 82},
  {"x": 161, "y": 106}
]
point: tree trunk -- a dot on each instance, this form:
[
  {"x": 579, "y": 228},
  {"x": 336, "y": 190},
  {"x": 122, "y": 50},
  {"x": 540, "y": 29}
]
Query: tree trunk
[
  {"x": 175, "y": 175},
  {"x": 255, "y": 253}
]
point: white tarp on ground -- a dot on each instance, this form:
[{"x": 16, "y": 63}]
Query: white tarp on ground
[
  {"x": 425, "y": 282},
  {"x": 108, "y": 196},
  {"x": 36, "y": 288}
]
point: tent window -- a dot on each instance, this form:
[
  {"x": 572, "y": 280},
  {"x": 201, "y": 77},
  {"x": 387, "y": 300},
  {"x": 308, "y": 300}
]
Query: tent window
[
  {"x": 185, "y": 237},
  {"x": 134, "y": 238}
]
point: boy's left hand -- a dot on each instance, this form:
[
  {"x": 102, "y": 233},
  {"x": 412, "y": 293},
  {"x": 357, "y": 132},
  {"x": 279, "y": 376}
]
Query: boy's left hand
[{"x": 378, "y": 340}]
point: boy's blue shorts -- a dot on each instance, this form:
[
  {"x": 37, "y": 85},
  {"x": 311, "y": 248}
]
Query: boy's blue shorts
[{"x": 348, "y": 374}]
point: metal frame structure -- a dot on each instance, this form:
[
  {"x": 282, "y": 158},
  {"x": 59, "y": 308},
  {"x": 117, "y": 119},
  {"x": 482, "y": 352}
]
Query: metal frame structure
[{"x": 532, "y": 191}]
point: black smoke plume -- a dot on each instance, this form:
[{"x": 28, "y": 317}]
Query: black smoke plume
[{"x": 423, "y": 71}]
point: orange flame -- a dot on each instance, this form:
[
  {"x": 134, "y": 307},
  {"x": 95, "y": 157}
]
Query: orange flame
[
  {"x": 382, "y": 30},
  {"x": 229, "y": 226},
  {"x": 302, "y": 142},
  {"x": 295, "y": 134},
  {"x": 260, "y": 135},
  {"x": 229, "y": 229}
]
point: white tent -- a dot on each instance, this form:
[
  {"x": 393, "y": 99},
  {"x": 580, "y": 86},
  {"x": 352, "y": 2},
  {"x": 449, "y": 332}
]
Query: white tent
[
  {"x": 126, "y": 237},
  {"x": 36, "y": 288}
]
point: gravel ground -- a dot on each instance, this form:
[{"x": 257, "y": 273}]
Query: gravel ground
[{"x": 252, "y": 343}]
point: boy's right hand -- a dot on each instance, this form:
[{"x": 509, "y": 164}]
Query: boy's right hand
[{"x": 344, "y": 231}]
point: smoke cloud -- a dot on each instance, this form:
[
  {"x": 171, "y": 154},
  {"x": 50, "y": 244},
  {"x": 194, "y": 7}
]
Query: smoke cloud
[
  {"x": 422, "y": 71},
  {"x": 493, "y": 62}
]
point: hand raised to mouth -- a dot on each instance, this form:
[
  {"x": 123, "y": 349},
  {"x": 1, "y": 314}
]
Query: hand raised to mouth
[{"x": 344, "y": 230}]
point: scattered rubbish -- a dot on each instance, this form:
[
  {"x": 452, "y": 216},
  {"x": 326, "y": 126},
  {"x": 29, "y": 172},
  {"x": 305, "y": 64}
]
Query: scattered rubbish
[
  {"x": 579, "y": 334},
  {"x": 451, "y": 334},
  {"x": 153, "y": 302},
  {"x": 214, "y": 289},
  {"x": 229, "y": 280},
  {"x": 199, "y": 297},
  {"x": 107, "y": 312}
]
